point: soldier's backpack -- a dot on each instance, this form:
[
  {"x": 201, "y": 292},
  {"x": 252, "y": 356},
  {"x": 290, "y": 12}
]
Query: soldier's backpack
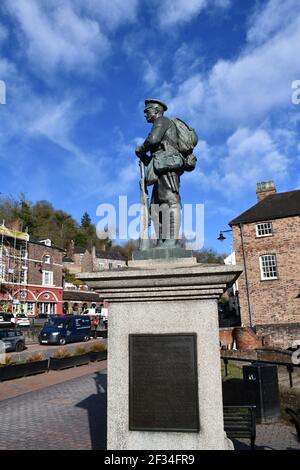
[{"x": 187, "y": 140}]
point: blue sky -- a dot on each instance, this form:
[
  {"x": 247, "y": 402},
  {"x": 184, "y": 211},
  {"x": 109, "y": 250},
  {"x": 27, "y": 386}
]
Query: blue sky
[{"x": 77, "y": 73}]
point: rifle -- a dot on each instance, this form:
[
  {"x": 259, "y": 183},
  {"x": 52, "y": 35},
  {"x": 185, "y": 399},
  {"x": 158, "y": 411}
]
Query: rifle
[{"x": 145, "y": 212}]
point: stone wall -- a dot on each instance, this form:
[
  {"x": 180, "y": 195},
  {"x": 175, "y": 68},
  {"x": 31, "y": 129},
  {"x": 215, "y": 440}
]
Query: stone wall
[
  {"x": 281, "y": 335},
  {"x": 273, "y": 301},
  {"x": 275, "y": 336}
]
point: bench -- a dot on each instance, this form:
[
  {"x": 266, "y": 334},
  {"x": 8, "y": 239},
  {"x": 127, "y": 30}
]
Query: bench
[{"x": 240, "y": 421}]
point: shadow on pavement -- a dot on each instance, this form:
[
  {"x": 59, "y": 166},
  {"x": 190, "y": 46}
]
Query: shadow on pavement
[{"x": 96, "y": 406}]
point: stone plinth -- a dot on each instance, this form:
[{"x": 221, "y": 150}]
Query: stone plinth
[
  {"x": 169, "y": 298},
  {"x": 162, "y": 253}
]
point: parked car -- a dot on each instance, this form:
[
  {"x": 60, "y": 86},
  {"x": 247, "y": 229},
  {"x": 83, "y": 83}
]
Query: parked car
[
  {"x": 13, "y": 339},
  {"x": 66, "y": 329},
  {"x": 20, "y": 319},
  {"x": 4, "y": 322},
  {"x": 5, "y": 319}
]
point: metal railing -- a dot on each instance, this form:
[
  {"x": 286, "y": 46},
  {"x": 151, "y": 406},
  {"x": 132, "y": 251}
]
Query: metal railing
[{"x": 290, "y": 367}]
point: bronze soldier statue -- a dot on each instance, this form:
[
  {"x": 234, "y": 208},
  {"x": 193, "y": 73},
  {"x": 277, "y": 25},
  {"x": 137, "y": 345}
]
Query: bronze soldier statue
[{"x": 165, "y": 164}]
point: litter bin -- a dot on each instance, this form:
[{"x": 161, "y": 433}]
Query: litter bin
[{"x": 265, "y": 378}]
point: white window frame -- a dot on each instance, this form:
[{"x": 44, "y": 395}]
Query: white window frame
[
  {"x": 24, "y": 270},
  {"x": 29, "y": 307},
  {"x": 264, "y": 226},
  {"x": 267, "y": 264},
  {"x": 49, "y": 281},
  {"x": 47, "y": 259}
]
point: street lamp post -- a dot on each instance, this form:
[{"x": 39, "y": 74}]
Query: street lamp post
[{"x": 221, "y": 238}]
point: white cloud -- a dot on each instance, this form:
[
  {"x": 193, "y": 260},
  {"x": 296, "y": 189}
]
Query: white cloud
[
  {"x": 68, "y": 35},
  {"x": 176, "y": 12},
  {"x": 151, "y": 74},
  {"x": 189, "y": 97},
  {"x": 55, "y": 121},
  {"x": 57, "y": 37},
  {"x": 248, "y": 156},
  {"x": 187, "y": 60},
  {"x": 243, "y": 91},
  {"x": 3, "y": 33},
  {"x": 268, "y": 19},
  {"x": 251, "y": 156},
  {"x": 110, "y": 14}
]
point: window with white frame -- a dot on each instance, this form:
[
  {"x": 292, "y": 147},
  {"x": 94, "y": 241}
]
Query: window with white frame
[
  {"x": 23, "y": 275},
  {"x": 268, "y": 267},
  {"x": 264, "y": 229},
  {"x": 47, "y": 259},
  {"x": 29, "y": 307},
  {"x": 47, "y": 278}
]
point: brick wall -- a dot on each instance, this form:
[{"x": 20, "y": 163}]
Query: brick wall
[
  {"x": 272, "y": 301},
  {"x": 36, "y": 254},
  {"x": 282, "y": 335}
]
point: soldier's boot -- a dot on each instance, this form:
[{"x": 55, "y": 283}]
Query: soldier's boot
[{"x": 171, "y": 240}]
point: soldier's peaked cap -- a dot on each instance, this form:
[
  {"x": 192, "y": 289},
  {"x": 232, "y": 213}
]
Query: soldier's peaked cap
[{"x": 150, "y": 101}]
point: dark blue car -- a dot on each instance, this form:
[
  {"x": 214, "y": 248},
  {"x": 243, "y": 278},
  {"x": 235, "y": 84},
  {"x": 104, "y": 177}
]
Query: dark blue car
[{"x": 66, "y": 329}]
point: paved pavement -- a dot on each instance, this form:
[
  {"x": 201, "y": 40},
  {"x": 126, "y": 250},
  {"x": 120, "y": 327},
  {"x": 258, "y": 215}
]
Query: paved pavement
[
  {"x": 17, "y": 387},
  {"x": 72, "y": 415},
  {"x": 271, "y": 437}
]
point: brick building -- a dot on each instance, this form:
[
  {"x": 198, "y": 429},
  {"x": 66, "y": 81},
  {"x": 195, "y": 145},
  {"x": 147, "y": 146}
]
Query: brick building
[
  {"x": 267, "y": 244},
  {"x": 98, "y": 260},
  {"x": 73, "y": 259},
  {"x": 83, "y": 260},
  {"x": 78, "y": 300},
  {"x": 30, "y": 274},
  {"x": 79, "y": 260}
]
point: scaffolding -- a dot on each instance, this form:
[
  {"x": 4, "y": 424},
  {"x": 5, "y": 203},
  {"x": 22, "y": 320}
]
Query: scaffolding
[{"x": 13, "y": 267}]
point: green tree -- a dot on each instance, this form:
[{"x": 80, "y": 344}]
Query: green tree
[
  {"x": 126, "y": 249},
  {"x": 86, "y": 221},
  {"x": 209, "y": 256},
  {"x": 70, "y": 277},
  {"x": 81, "y": 239}
]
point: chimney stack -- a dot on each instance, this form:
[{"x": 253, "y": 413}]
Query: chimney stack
[{"x": 265, "y": 189}]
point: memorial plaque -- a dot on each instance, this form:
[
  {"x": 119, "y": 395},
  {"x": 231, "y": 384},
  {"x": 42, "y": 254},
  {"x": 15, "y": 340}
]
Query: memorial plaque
[{"x": 163, "y": 385}]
